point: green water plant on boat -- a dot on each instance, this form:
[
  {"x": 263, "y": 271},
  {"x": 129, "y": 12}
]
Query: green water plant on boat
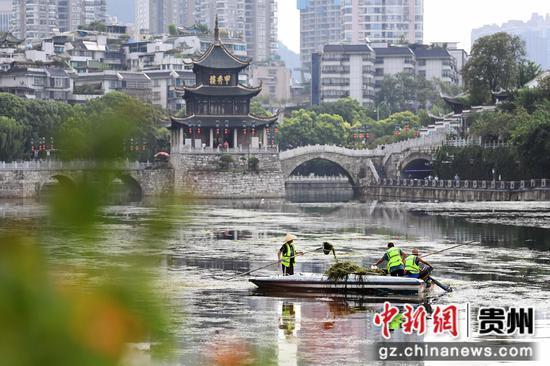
[{"x": 341, "y": 271}]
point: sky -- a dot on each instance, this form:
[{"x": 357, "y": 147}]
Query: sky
[{"x": 445, "y": 20}]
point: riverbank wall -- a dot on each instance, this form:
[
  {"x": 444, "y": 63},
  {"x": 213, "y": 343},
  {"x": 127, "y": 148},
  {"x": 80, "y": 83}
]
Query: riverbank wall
[
  {"x": 457, "y": 191},
  {"x": 233, "y": 175}
]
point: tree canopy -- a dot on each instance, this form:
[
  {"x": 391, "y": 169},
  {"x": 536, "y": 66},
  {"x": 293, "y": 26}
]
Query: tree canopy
[{"x": 495, "y": 63}]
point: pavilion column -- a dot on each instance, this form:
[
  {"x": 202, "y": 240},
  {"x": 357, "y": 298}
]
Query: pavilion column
[
  {"x": 180, "y": 144},
  {"x": 264, "y": 144},
  {"x": 211, "y": 138},
  {"x": 235, "y": 138}
]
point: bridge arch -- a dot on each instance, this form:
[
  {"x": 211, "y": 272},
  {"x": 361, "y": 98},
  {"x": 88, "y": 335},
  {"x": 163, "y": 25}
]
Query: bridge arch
[
  {"x": 53, "y": 182},
  {"x": 417, "y": 165},
  {"x": 126, "y": 188}
]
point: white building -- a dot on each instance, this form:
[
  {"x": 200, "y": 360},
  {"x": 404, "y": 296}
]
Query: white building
[
  {"x": 358, "y": 21},
  {"x": 347, "y": 71},
  {"x": 392, "y": 21},
  {"x": 391, "y": 60},
  {"x": 434, "y": 62}
]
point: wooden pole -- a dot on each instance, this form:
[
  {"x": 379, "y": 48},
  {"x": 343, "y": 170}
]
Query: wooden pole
[{"x": 443, "y": 250}]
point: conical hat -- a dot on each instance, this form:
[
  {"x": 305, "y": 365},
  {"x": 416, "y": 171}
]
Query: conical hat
[{"x": 288, "y": 237}]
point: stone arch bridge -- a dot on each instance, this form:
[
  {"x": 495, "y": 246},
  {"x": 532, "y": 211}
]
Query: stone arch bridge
[
  {"x": 29, "y": 179},
  {"x": 369, "y": 165}
]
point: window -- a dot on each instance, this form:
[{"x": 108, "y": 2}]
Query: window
[{"x": 59, "y": 83}]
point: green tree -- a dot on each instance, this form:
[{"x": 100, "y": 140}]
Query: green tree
[
  {"x": 12, "y": 139},
  {"x": 348, "y": 108},
  {"x": 309, "y": 128},
  {"x": 495, "y": 126},
  {"x": 172, "y": 29},
  {"x": 494, "y": 64},
  {"x": 532, "y": 140},
  {"x": 528, "y": 70}
]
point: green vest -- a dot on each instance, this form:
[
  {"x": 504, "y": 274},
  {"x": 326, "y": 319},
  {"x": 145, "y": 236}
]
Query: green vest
[
  {"x": 410, "y": 264},
  {"x": 394, "y": 258},
  {"x": 289, "y": 249}
]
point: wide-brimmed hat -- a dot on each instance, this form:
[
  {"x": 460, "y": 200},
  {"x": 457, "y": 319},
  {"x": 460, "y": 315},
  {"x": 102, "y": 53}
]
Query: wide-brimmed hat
[{"x": 288, "y": 237}]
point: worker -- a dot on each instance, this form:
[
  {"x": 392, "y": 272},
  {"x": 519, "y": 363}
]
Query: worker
[
  {"x": 395, "y": 258},
  {"x": 287, "y": 255},
  {"x": 412, "y": 266}
]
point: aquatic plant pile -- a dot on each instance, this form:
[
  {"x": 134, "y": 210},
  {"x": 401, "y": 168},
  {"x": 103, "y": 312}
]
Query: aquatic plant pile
[{"x": 342, "y": 270}]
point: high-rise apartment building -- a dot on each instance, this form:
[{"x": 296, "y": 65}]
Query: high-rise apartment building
[
  {"x": 391, "y": 21},
  {"x": 154, "y": 16},
  {"x": 535, "y": 32},
  {"x": 358, "y": 21},
  {"x": 5, "y": 15},
  {"x": 39, "y": 18},
  {"x": 36, "y": 19},
  {"x": 320, "y": 24},
  {"x": 261, "y": 29},
  {"x": 230, "y": 13}
]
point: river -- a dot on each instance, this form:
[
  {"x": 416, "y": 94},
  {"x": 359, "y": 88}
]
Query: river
[{"x": 506, "y": 265}]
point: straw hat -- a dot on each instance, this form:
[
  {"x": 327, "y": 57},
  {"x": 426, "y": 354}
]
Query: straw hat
[{"x": 288, "y": 237}]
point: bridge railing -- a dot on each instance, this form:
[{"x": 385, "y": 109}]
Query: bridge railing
[
  {"x": 467, "y": 184},
  {"x": 397, "y": 147},
  {"x": 76, "y": 165}
]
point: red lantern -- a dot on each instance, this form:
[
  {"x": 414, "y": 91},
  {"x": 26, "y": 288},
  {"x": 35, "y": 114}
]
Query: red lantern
[
  {"x": 33, "y": 148},
  {"x": 199, "y": 130},
  {"x": 276, "y": 130},
  {"x": 253, "y": 132},
  {"x": 244, "y": 131},
  {"x": 361, "y": 136},
  {"x": 226, "y": 131},
  {"x": 190, "y": 131},
  {"x": 217, "y": 131},
  {"x": 367, "y": 136},
  {"x": 355, "y": 136}
]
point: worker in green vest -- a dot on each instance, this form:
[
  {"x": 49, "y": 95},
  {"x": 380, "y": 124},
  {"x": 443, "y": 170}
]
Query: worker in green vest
[
  {"x": 287, "y": 255},
  {"x": 395, "y": 259},
  {"x": 412, "y": 266}
]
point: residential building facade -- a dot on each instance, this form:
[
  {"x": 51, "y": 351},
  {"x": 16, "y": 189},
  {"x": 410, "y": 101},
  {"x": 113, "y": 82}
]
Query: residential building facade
[
  {"x": 40, "y": 18},
  {"x": 154, "y": 16},
  {"x": 357, "y": 70},
  {"x": 358, "y": 21},
  {"x": 5, "y": 15},
  {"x": 261, "y": 29},
  {"x": 391, "y": 21},
  {"x": 320, "y": 24},
  {"x": 535, "y": 32},
  {"x": 434, "y": 62},
  {"x": 274, "y": 78},
  {"x": 347, "y": 71}
]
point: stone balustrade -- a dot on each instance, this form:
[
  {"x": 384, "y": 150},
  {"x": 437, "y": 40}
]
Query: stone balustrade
[
  {"x": 76, "y": 165},
  {"x": 382, "y": 150},
  {"x": 467, "y": 184}
]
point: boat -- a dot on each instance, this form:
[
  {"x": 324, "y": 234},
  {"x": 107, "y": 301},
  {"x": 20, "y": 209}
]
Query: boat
[{"x": 377, "y": 287}]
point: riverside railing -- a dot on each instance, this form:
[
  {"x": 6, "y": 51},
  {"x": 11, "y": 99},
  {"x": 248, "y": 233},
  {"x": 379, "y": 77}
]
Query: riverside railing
[
  {"x": 467, "y": 184},
  {"x": 78, "y": 165},
  {"x": 317, "y": 178}
]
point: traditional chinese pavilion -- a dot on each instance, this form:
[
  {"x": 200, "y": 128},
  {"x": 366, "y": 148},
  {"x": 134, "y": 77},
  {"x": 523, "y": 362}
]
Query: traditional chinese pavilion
[{"x": 218, "y": 106}]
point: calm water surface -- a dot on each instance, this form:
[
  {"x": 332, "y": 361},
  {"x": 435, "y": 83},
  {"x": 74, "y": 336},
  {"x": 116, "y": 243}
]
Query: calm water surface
[{"x": 507, "y": 265}]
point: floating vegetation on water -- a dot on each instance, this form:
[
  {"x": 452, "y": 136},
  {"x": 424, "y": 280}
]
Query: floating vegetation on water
[{"x": 342, "y": 270}]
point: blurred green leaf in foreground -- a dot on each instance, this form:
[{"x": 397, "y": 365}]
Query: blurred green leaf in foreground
[{"x": 71, "y": 313}]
